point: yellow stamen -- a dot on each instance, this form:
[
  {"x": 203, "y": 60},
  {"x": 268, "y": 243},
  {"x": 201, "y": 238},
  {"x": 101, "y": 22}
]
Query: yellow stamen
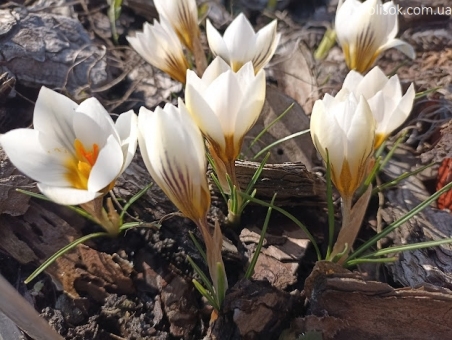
[{"x": 80, "y": 166}]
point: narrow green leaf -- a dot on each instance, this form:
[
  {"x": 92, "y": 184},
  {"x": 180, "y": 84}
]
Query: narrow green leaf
[
  {"x": 250, "y": 270},
  {"x": 257, "y": 174},
  {"x": 291, "y": 217},
  {"x": 62, "y": 251},
  {"x": 270, "y": 125},
  {"x": 279, "y": 141},
  {"x": 198, "y": 246},
  {"x": 78, "y": 210},
  {"x": 134, "y": 198},
  {"x": 399, "y": 222}
]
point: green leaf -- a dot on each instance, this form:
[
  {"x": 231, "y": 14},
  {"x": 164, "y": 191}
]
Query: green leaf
[
  {"x": 398, "y": 223},
  {"x": 256, "y": 139},
  {"x": 291, "y": 217},
  {"x": 62, "y": 251},
  {"x": 279, "y": 141},
  {"x": 134, "y": 198},
  {"x": 250, "y": 270}
]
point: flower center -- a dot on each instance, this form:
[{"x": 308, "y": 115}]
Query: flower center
[{"x": 79, "y": 167}]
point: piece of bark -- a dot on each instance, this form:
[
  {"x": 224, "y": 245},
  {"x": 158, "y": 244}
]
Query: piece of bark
[
  {"x": 280, "y": 256},
  {"x": 252, "y": 309},
  {"x": 422, "y": 266},
  {"x": 41, "y": 49},
  {"x": 375, "y": 310},
  {"x": 292, "y": 182},
  {"x": 12, "y": 202},
  {"x": 176, "y": 294}
]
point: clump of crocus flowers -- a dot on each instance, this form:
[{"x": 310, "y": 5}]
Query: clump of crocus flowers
[
  {"x": 348, "y": 128},
  {"x": 76, "y": 152}
]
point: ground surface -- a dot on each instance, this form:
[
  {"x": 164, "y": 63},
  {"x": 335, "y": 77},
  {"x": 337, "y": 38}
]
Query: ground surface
[{"x": 138, "y": 286}]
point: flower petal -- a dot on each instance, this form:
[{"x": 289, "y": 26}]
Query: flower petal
[
  {"x": 203, "y": 115},
  {"x": 266, "y": 43},
  {"x": 93, "y": 124},
  {"x": 67, "y": 196},
  {"x": 127, "y": 127},
  {"x": 24, "y": 149},
  {"x": 216, "y": 42},
  {"x": 399, "y": 114},
  {"x": 53, "y": 115},
  {"x": 401, "y": 45},
  {"x": 216, "y": 67},
  {"x": 252, "y": 104},
  {"x": 239, "y": 37},
  {"x": 108, "y": 165},
  {"x": 374, "y": 81}
]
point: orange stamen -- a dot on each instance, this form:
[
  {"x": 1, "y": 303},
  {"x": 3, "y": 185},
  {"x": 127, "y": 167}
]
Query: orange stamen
[{"x": 80, "y": 166}]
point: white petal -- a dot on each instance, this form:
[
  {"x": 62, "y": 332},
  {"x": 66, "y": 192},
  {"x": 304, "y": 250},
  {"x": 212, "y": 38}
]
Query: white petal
[
  {"x": 346, "y": 15},
  {"x": 144, "y": 117},
  {"x": 399, "y": 114},
  {"x": 374, "y": 81},
  {"x": 352, "y": 81},
  {"x": 24, "y": 149},
  {"x": 127, "y": 127},
  {"x": 53, "y": 115},
  {"x": 326, "y": 134},
  {"x": 216, "y": 67},
  {"x": 402, "y": 46},
  {"x": 360, "y": 135},
  {"x": 216, "y": 42},
  {"x": 266, "y": 43},
  {"x": 239, "y": 37},
  {"x": 224, "y": 97},
  {"x": 253, "y": 102},
  {"x": 107, "y": 167},
  {"x": 67, "y": 196},
  {"x": 391, "y": 25},
  {"x": 195, "y": 81},
  {"x": 203, "y": 115},
  {"x": 93, "y": 124}
]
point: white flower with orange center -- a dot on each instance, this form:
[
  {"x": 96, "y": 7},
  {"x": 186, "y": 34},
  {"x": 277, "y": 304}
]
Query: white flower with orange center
[
  {"x": 225, "y": 105},
  {"x": 241, "y": 44},
  {"x": 343, "y": 130},
  {"x": 75, "y": 152},
  {"x": 366, "y": 29}
]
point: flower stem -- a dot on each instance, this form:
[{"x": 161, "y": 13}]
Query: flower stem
[{"x": 235, "y": 199}]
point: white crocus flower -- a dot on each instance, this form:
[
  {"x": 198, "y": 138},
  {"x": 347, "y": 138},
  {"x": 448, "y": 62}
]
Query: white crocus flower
[
  {"x": 183, "y": 17},
  {"x": 225, "y": 105},
  {"x": 173, "y": 152},
  {"x": 389, "y": 107},
  {"x": 345, "y": 128},
  {"x": 240, "y": 44},
  {"x": 366, "y": 29},
  {"x": 75, "y": 152},
  {"x": 159, "y": 45}
]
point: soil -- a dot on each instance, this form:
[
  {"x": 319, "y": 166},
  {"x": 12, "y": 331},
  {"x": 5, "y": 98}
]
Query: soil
[{"x": 139, "y": 285}]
